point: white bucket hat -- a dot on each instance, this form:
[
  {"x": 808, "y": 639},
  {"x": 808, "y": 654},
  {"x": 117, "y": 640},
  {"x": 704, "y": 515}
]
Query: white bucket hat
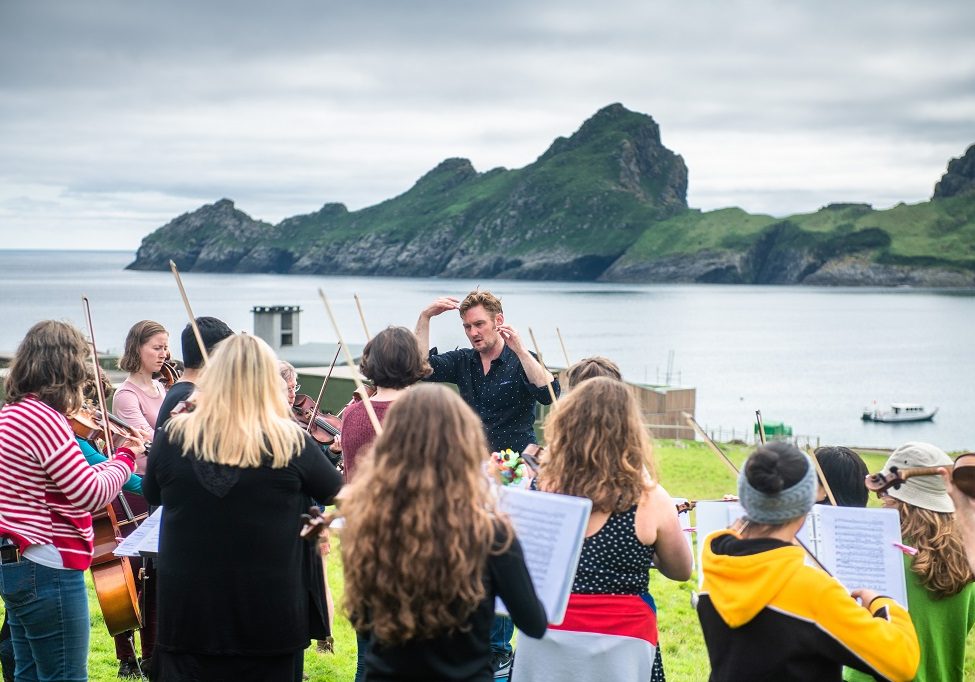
[{"x": 926, "y": 492}]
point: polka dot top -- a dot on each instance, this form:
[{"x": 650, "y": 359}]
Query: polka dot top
[{"x": 613, "y": 560}]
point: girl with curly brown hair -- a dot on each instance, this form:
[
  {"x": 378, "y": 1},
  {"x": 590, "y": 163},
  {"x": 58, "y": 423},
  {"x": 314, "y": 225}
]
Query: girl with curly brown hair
[
  {"x": 599, "y": 448},
  {"x": 425, "y": 553},
  {"x": 940, "y": 591}
]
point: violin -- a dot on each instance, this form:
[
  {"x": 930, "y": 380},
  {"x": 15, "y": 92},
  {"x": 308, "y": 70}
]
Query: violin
[
  {"x": 962, "y": 475},
  {"x": 322, "y": 426},
  {"x": 87, "y": 424},
  {"x": 169, "y": 374},
  {"x": 531, "y": 455},
  {"x": 370, "y": 391},
  {"x": 686, "y": 506}
]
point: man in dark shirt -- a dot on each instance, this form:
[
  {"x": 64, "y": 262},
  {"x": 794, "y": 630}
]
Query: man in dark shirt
[
  {"x": 502, "y": 381},
  {"x": 213, "y": 331}
]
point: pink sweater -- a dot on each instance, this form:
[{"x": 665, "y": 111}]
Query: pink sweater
[
  {"x": 47, "y": 489},
  {"x": 137, "y": 408}
]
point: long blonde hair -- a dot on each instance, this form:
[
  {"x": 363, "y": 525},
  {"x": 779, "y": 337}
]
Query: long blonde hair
[
  {"x": 940, "y": 563},
  {"x": 420, "y": 521},
  {"x": 241, "y": 416},
  {"x": 598, "y": 446}
]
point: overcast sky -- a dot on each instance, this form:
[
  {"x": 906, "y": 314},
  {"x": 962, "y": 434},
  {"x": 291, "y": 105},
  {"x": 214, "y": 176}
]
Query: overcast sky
[{"x": 117, "y": 116}]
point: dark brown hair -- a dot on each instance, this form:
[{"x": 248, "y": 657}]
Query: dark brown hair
[
  {"x": 50, "y": 363},
  {"x": 392, "y": 359},
  {"x": 137, "y": 337},
  {"x": 845, "y": 471},
  {"x": 490, "y": 302},
  {"x": 587, "y": 368}
]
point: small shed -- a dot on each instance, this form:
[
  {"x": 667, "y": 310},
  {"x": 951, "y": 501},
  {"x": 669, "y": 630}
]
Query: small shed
[{"x": 277, "y": 324}]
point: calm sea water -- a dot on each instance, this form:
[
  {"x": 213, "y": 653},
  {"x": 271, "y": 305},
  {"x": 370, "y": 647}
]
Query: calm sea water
[{"x": 812, "y": 358}]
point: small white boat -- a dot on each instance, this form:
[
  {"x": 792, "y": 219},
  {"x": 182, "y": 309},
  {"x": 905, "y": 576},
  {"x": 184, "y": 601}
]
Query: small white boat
[{"x": 900, "y": 412}]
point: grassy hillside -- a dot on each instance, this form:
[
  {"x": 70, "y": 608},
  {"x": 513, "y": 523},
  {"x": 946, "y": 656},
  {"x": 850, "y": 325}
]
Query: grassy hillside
[{"x": 940, "y": 232}]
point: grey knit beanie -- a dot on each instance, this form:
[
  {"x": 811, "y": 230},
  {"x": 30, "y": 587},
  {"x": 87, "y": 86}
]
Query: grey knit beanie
[{"x": 778, "y": 508}]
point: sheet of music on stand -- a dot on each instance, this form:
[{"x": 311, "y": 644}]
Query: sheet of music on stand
[
  {"x": 856, "y": 545},
  {"x": 144, "y": 540},
  {"x": 551, "y": 529}
]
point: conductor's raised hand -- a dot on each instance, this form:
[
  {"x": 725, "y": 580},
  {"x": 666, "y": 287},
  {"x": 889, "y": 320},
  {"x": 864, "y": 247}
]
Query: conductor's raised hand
[
  {"x": 441, "y": 305},
  {"x": 511, "y": 337}
]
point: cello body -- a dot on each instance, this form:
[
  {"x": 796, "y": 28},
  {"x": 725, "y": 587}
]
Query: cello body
[{"x": 113, "y": 577}]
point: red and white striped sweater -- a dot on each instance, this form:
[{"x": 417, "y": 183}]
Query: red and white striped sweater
[{"x": 47, "y": 489}]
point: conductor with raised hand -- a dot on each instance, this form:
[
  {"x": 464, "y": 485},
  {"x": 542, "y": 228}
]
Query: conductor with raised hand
[
  {"x": 497, "y": 375},
  {"x": 501, "y": 380}
]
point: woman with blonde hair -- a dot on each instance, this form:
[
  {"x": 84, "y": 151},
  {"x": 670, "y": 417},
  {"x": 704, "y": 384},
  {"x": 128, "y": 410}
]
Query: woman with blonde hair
[
  {"x": 47, "y": 494},
  {"x": 599, "y": 448},
  {"x": 233, "y": 476},
  {"x": 425, "y": 552},
  {"x": 940, "y": 591}
]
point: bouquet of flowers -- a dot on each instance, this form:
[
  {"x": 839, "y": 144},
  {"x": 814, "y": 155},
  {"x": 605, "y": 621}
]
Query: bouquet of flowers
[{"x": 511, "y": 468}]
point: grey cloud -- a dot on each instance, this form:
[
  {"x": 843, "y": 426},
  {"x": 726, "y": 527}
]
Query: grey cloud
[{"x": 283, "y": 107}]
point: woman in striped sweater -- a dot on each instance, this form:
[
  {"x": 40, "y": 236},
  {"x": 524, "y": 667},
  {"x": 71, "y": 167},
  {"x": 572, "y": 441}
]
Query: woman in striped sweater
[{"x": 47, "y": 494}]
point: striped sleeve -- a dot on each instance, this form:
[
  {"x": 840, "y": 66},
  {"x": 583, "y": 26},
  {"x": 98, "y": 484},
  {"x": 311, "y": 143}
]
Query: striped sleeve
[{"x": 86, "y": 487}]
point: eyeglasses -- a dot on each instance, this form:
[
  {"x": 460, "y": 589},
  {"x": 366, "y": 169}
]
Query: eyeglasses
[{"x": 297, "y": 388}]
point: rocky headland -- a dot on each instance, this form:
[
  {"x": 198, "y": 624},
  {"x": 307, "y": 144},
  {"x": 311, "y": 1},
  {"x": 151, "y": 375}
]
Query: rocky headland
[{"x": 607, "y": 203}]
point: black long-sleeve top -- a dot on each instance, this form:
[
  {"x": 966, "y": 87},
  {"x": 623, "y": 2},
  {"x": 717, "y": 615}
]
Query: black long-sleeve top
[
  {"x": 231, "y": 566},
  {"x": 466, "y": 655}
]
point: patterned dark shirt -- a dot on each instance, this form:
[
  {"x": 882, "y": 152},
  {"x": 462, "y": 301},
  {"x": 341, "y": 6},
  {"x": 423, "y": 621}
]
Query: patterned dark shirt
[{"x": 504, "y": 398}]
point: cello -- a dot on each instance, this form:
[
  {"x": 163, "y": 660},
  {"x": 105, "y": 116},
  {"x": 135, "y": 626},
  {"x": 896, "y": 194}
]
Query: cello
[{"x": 112, "y": 576}]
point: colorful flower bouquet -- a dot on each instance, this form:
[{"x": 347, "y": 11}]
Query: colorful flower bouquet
[{"x": 511, "y": 468}]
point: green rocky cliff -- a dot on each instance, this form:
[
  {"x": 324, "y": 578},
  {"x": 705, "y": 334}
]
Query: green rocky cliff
[{"x": 607, "y": 203}]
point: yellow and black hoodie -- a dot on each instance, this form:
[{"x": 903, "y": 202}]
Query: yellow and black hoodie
[{"x": 768, "y": 616}]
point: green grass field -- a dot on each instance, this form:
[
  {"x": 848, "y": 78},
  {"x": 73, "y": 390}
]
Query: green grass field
[{"x": 686, "y": 469}]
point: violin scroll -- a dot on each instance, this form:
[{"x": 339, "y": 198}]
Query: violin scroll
[{"x": 962, "y": 476}]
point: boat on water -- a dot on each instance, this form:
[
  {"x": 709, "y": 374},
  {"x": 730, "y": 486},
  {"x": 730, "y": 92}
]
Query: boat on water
[{"x": 899, "y": 412}]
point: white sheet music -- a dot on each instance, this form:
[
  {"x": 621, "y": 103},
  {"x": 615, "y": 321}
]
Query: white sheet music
[
  {"x": 145, "y": 538},
  {"x": 857, "y": 546},
  {"x": 551, "y": 529}
]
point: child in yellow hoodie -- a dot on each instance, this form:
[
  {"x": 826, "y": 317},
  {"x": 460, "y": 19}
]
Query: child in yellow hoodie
[{"x": 768, "y": 616}]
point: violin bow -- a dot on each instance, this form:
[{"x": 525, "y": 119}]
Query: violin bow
[
  {"x": 565, "y": 353},
  {"x": 321, "y": 392},
  {"x": 362, "y": 317},
  {"x": 761, "y": 426},
  {"x": 102, "y": 402},
  {"x": 551, "y": 389},
  {"x": 377, "y": 427},
  {"x": 718, "y": 451},
  {"x": 711, "y": 444},
  {"x": 189, "y": 312}
]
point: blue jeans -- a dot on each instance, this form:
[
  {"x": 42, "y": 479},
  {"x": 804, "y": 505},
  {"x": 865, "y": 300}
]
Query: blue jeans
[
  {"x": 47, "y": 610},
  {"x": 502, "y": 630}
]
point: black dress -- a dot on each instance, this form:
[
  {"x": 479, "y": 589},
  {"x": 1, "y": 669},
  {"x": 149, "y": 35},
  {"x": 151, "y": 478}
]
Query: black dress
[{"x": 235, "y": 596}]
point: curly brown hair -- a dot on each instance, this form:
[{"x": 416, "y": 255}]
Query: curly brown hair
[
  {"x": 392, "y": 359},
  {"x": 420, "y": 521},
  {"x": 51, "y": 364},
  {"x": 598, "y": 446},
  {"x": 940, "y": 563}
]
